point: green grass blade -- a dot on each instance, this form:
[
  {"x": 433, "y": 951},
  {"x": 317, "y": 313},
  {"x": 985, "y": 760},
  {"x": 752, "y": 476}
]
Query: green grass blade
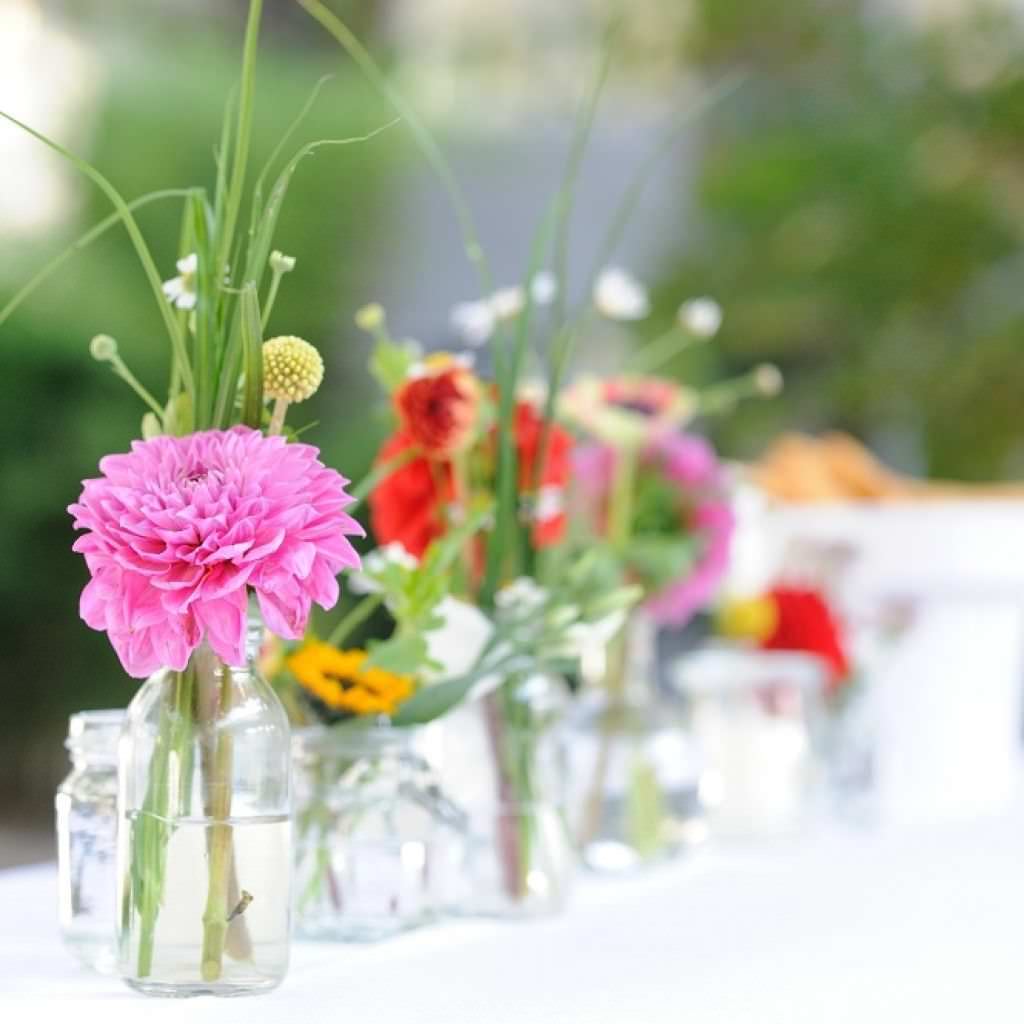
[
  {"x": 208, "y": 285},
  {"x": 222, "y": 157},
  {"x": 299, "y": 119},
  {"x": 132, "y": 227},
  {"x": 567, "y": 191},
  {"x": 252, "y": 361},
  {"x": 259, "y": 252},
  {"x": 707, "y": 100},
  {"x": 424, "y": 139},
  {"x": 81, "y": 243},
  {"x": 508, "y": 539},
  {"x": 243, "y": 135}
]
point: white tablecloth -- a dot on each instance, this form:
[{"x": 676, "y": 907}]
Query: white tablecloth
[{"x": 865, "y": 928}]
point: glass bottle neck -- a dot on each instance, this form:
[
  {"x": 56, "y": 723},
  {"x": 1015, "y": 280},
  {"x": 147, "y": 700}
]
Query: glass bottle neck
[
  {"x": 632, "y": 669},
  {"x": 92, "y": 739}
]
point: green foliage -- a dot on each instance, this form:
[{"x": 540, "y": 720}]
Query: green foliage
[
  {"x": 861, "y": 225},
  {"x": 414, "y": 594}
]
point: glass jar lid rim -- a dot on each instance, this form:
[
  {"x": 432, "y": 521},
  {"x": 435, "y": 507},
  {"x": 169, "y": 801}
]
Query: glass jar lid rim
[
  {"x": 324, "y": 739},
  {"x": 720, "y": 668},
  {"x": 95, "y": 732}
]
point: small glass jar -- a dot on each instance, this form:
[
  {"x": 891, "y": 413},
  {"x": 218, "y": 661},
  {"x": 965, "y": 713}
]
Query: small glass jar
[
  {"x": 633, "y": 768},
  {"x": 204, "y": 837},
  {"x": 756, "y": 717},
  {"x": 521, "y": 857},
  {"x": 86, "y": 807},
  {"x": 379, "y": 848}
]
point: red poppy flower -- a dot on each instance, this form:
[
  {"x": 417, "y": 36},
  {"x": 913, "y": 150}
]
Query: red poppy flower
[
  {"x": 804, "y": 621},
  {"x": 438, "y": 410},
  {"x": 408, "y": 505}
]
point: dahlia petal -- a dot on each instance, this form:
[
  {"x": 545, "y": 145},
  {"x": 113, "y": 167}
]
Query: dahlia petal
[
  {"x": 322, "y": 585},
  {"x": 285, "y": 610},
  {"x": 223, "y": 620}
]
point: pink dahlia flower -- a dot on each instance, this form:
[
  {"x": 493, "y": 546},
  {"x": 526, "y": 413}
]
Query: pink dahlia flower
[{"x": 181, "y": 528}]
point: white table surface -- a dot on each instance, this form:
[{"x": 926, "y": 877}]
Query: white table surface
[{"x": 910, "y": 927}]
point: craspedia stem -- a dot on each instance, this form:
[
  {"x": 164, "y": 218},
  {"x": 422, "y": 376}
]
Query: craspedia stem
[{"x": 278, "y": 415}]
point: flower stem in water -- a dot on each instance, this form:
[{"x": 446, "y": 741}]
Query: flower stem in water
[{"x": 215, "y": 917}]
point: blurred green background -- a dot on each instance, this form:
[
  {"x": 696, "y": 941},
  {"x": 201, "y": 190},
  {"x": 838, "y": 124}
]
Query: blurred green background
[{"x": 857, "y": 207}]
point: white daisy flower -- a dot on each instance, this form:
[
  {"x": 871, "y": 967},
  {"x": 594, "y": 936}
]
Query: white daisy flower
[
  {"x": 701, "y": 317},
  {"x": 181, "y": 290},
  {"x": 544, "y": 288},
  {"x": 620, "y": 296},
  {"x": 507, "y": 303},
  {"x": 473, "y": 322}
]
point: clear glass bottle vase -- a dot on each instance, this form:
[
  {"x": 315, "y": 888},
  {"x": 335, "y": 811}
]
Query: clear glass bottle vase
[
  {"x": 633, "y": 770},
  {"x": 86, "y": 805},
  {"x": 204, "y": 846},
  {"x": 379, "y": 847},
  {"x": 521, "y": 857}
]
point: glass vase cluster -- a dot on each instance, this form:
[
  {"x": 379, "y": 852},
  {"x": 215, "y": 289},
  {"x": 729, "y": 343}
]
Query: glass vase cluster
[
  {"x": 204, "y": 846},
  {"x": 633, "y": 770},
  {"x": 379, "y": 847}
]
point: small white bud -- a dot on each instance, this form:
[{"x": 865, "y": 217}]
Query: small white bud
[
  {"x": 701, "y": 317},
  {"x": 473, "y": 322},
  {"x": 103, "y": 348},
  {"x": 280, "y": 263},
  {"x": 544, "y": 288},
  {"x": 370, "y": 316},
  {"x": 507, "y": 303},
  {"x": 768, "y": 380}
]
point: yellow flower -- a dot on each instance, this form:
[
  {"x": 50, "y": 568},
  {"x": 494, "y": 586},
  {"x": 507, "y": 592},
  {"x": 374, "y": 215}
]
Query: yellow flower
[
  {"x": 340, "y": 680},
  {"x": 750, "y": 618},
  {"x": 292, "y": 369}
]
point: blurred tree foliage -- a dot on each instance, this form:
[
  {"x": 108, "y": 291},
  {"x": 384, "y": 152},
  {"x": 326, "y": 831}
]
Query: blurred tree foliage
[
  {"x": 862, "y": 213},
  {"x": 155, "y": 126}
]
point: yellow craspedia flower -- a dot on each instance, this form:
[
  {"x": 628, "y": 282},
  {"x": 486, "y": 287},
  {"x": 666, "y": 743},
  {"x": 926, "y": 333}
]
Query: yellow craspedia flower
[
  {"x": 751, "y": 618},
  {"x": 340, "y": 680},
  {"x": 292, "y": 369}
]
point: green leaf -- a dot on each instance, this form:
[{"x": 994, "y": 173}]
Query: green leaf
[
  {"x": 252, "y": 346},
  {"x": 404, "y": 654},
  {"x": 433, "y": 701}
]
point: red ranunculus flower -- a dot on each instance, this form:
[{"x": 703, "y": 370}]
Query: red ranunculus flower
[
  {"x": 804, "y": 622},
  {"x": 408, "y": 505},
  {"x": 551, "y": 481}
]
